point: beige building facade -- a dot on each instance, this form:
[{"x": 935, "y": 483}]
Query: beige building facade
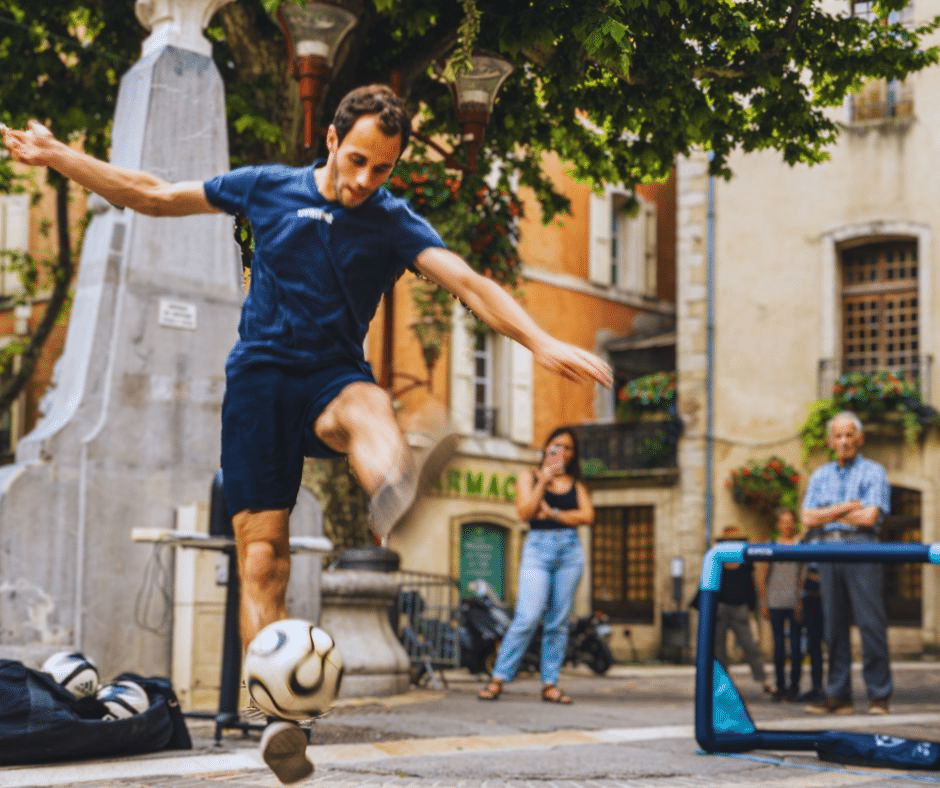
[{"x": 788, "y": 278}]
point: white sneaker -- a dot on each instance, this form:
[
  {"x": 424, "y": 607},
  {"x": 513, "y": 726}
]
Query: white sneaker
[{"x": 284, "y": 750}]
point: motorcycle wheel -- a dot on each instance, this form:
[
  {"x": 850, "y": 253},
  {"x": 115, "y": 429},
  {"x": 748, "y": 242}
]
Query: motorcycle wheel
[{"x": 599, "y": 657}]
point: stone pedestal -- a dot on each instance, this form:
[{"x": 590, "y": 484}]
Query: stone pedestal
[{"x": 355, "y": 606}]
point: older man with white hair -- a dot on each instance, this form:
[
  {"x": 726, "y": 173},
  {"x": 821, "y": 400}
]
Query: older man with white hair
[{"x": 845, "y": 502}]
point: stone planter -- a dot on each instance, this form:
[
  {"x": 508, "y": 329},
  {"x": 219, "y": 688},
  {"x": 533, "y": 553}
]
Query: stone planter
[{"x": 355, "y": 606}]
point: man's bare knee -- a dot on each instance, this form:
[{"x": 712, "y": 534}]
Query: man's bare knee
[
  {"x": 264, "y": 565},
  {"x": 359, "y": 410}
]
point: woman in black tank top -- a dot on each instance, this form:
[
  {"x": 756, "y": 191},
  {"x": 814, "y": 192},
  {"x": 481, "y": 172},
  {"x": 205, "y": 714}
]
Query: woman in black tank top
[{"x": 554, "y": 501}]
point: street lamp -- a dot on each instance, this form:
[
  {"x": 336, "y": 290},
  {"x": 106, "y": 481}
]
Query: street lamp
[
  {"x": 475, "y": 92},
  {"x": 314, "y": 31}
]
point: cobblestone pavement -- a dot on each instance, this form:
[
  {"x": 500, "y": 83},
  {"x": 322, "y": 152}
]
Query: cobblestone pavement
[{"x": 630, "y": 728}]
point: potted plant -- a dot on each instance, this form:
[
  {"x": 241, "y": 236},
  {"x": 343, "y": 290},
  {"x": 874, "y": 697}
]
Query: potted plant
[
  {"x": 763, "y": 485},
  {"x": 886, "y": 403},
  {"x": 648, "y": 396}
]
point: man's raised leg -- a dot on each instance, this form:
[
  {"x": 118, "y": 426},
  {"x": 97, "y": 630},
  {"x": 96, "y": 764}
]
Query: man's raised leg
[{"x": 361, "y": 423}]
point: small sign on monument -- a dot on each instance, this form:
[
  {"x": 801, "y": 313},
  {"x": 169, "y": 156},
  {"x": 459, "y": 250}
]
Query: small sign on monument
[{"x": 177, "y": 314}]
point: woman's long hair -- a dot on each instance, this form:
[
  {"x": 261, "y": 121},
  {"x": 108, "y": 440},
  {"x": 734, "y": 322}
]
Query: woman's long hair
[{"x": 573, "y": 466}]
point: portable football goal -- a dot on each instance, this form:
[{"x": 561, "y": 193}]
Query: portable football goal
[{"x": 722, "y": 721}]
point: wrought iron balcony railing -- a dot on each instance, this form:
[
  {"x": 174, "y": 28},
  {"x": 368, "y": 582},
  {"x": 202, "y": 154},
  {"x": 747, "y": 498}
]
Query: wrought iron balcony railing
[{"x": 623, "y": 447}]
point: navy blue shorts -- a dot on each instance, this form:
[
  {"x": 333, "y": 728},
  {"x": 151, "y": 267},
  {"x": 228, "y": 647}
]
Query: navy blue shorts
[{"x": 268, "y": 414}]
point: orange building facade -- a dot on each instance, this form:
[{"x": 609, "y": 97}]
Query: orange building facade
[
  {"x": 29, "y": 225},
  {"x": 604, "y": 280}
]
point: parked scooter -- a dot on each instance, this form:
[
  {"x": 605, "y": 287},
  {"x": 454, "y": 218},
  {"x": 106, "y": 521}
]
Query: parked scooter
[{"x": 484, "y": 620}]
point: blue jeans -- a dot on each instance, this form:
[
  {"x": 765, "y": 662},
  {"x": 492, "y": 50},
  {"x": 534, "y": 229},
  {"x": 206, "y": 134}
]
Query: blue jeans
[
  {"x": 813, "y": 624},
  {"x": 552, "y": 564},
  {"x": 779, "y": 619}
]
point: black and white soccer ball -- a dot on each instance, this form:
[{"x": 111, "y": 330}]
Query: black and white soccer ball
[
  {"x": 123, "y": 699},
  {"x": 293, "y": 669},
  {"x": 74, "y": 671}
]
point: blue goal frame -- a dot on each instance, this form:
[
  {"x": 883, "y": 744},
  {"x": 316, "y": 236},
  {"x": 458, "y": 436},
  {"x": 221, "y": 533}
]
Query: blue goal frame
[{"x": 713, "y": 731}]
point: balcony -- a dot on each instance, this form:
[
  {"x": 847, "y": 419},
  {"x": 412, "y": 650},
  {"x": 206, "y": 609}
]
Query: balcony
[
  {"x": 882, "y": 100},
  {"x": 625, "y": 449},
  {"x": 916, "y": 369}
]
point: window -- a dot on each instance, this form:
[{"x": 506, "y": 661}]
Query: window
[
  {"x": 880, "y": 309},
  {"x": 490, "y": 383},
  {"x": 623, "y": 562},
  {"x": 623, "y": 252},
  {"x": 882, "y": 99},
  {"x": 484, "y": 413},
  {"x": 14, "y": 237},
  {"x": 866, "y": 10},
  {"x": 902, "y": 582}
]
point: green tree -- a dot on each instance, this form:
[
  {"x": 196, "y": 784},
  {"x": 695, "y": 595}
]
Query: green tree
[
  {"x": 617, "y": 88},
  {"x": 63, "y": 62}
]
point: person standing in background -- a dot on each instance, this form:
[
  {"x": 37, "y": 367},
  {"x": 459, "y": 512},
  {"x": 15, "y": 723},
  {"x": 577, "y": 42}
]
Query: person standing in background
[
  {"x": 812, "y": 615},
  {"x": 555, "y": 502},
  {"x": 737, "y": 598},
  {"x": 778, "y": 590},
  {"x": 845, "y": 502}
]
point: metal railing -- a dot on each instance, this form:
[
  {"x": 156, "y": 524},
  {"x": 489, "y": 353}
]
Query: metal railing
[
  {"x": 427, "y": 624},
  {"x": 618, "y": 448}
]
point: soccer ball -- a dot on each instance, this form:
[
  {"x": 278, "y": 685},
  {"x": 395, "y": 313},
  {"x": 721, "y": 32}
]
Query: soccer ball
[
  {"x": 123, "y": 699},
  {"x": 293, "y": 669},
  {"x": 74, "y": 671}
]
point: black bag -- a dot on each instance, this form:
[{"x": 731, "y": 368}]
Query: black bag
[
  {"x": 41, "y": 721},
  {"x": 874, "y": 749}
]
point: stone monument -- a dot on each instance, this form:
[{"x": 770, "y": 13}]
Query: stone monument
[{"x": 131, "y": 430}]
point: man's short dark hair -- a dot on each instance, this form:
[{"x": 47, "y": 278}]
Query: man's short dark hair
[{"x": 374, "y": 100}]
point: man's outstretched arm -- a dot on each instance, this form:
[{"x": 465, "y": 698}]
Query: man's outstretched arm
[
  {"x": 133, "y": 189},
  {"x": 501, "y": 312}
]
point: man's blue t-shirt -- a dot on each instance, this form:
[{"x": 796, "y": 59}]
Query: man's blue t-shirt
[{"x": 319, "y": 269}]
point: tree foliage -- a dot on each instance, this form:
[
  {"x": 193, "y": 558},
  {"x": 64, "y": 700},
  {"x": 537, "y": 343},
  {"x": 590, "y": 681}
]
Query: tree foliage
[{"x": 617, "y": 88}]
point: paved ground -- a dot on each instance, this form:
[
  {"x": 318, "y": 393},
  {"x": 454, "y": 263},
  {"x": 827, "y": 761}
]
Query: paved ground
[{"x": 630, "y": 728}]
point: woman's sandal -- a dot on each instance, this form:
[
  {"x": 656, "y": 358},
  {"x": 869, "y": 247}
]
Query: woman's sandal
[
  {"x": 552, "y": 694},
  {"x": 493, "y": 690}
]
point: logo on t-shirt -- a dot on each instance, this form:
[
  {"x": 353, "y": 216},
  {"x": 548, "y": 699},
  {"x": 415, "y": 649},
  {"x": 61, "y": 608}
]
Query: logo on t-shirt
[{"x": 318, "y": 214}]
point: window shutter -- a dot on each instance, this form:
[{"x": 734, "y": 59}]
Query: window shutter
[
  {"x": 599, "y": 241},
  {"x": 461, "y": 372},
  {"x": 16, "y": 235},
  {"x": 14, "y": 224},
  {"x": 520, "y": 393},
  {"x": 635, "y": 256}
]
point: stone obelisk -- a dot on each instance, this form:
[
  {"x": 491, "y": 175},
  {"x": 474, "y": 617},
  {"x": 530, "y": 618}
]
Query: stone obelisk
[{"x": 131, "y": 430}]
